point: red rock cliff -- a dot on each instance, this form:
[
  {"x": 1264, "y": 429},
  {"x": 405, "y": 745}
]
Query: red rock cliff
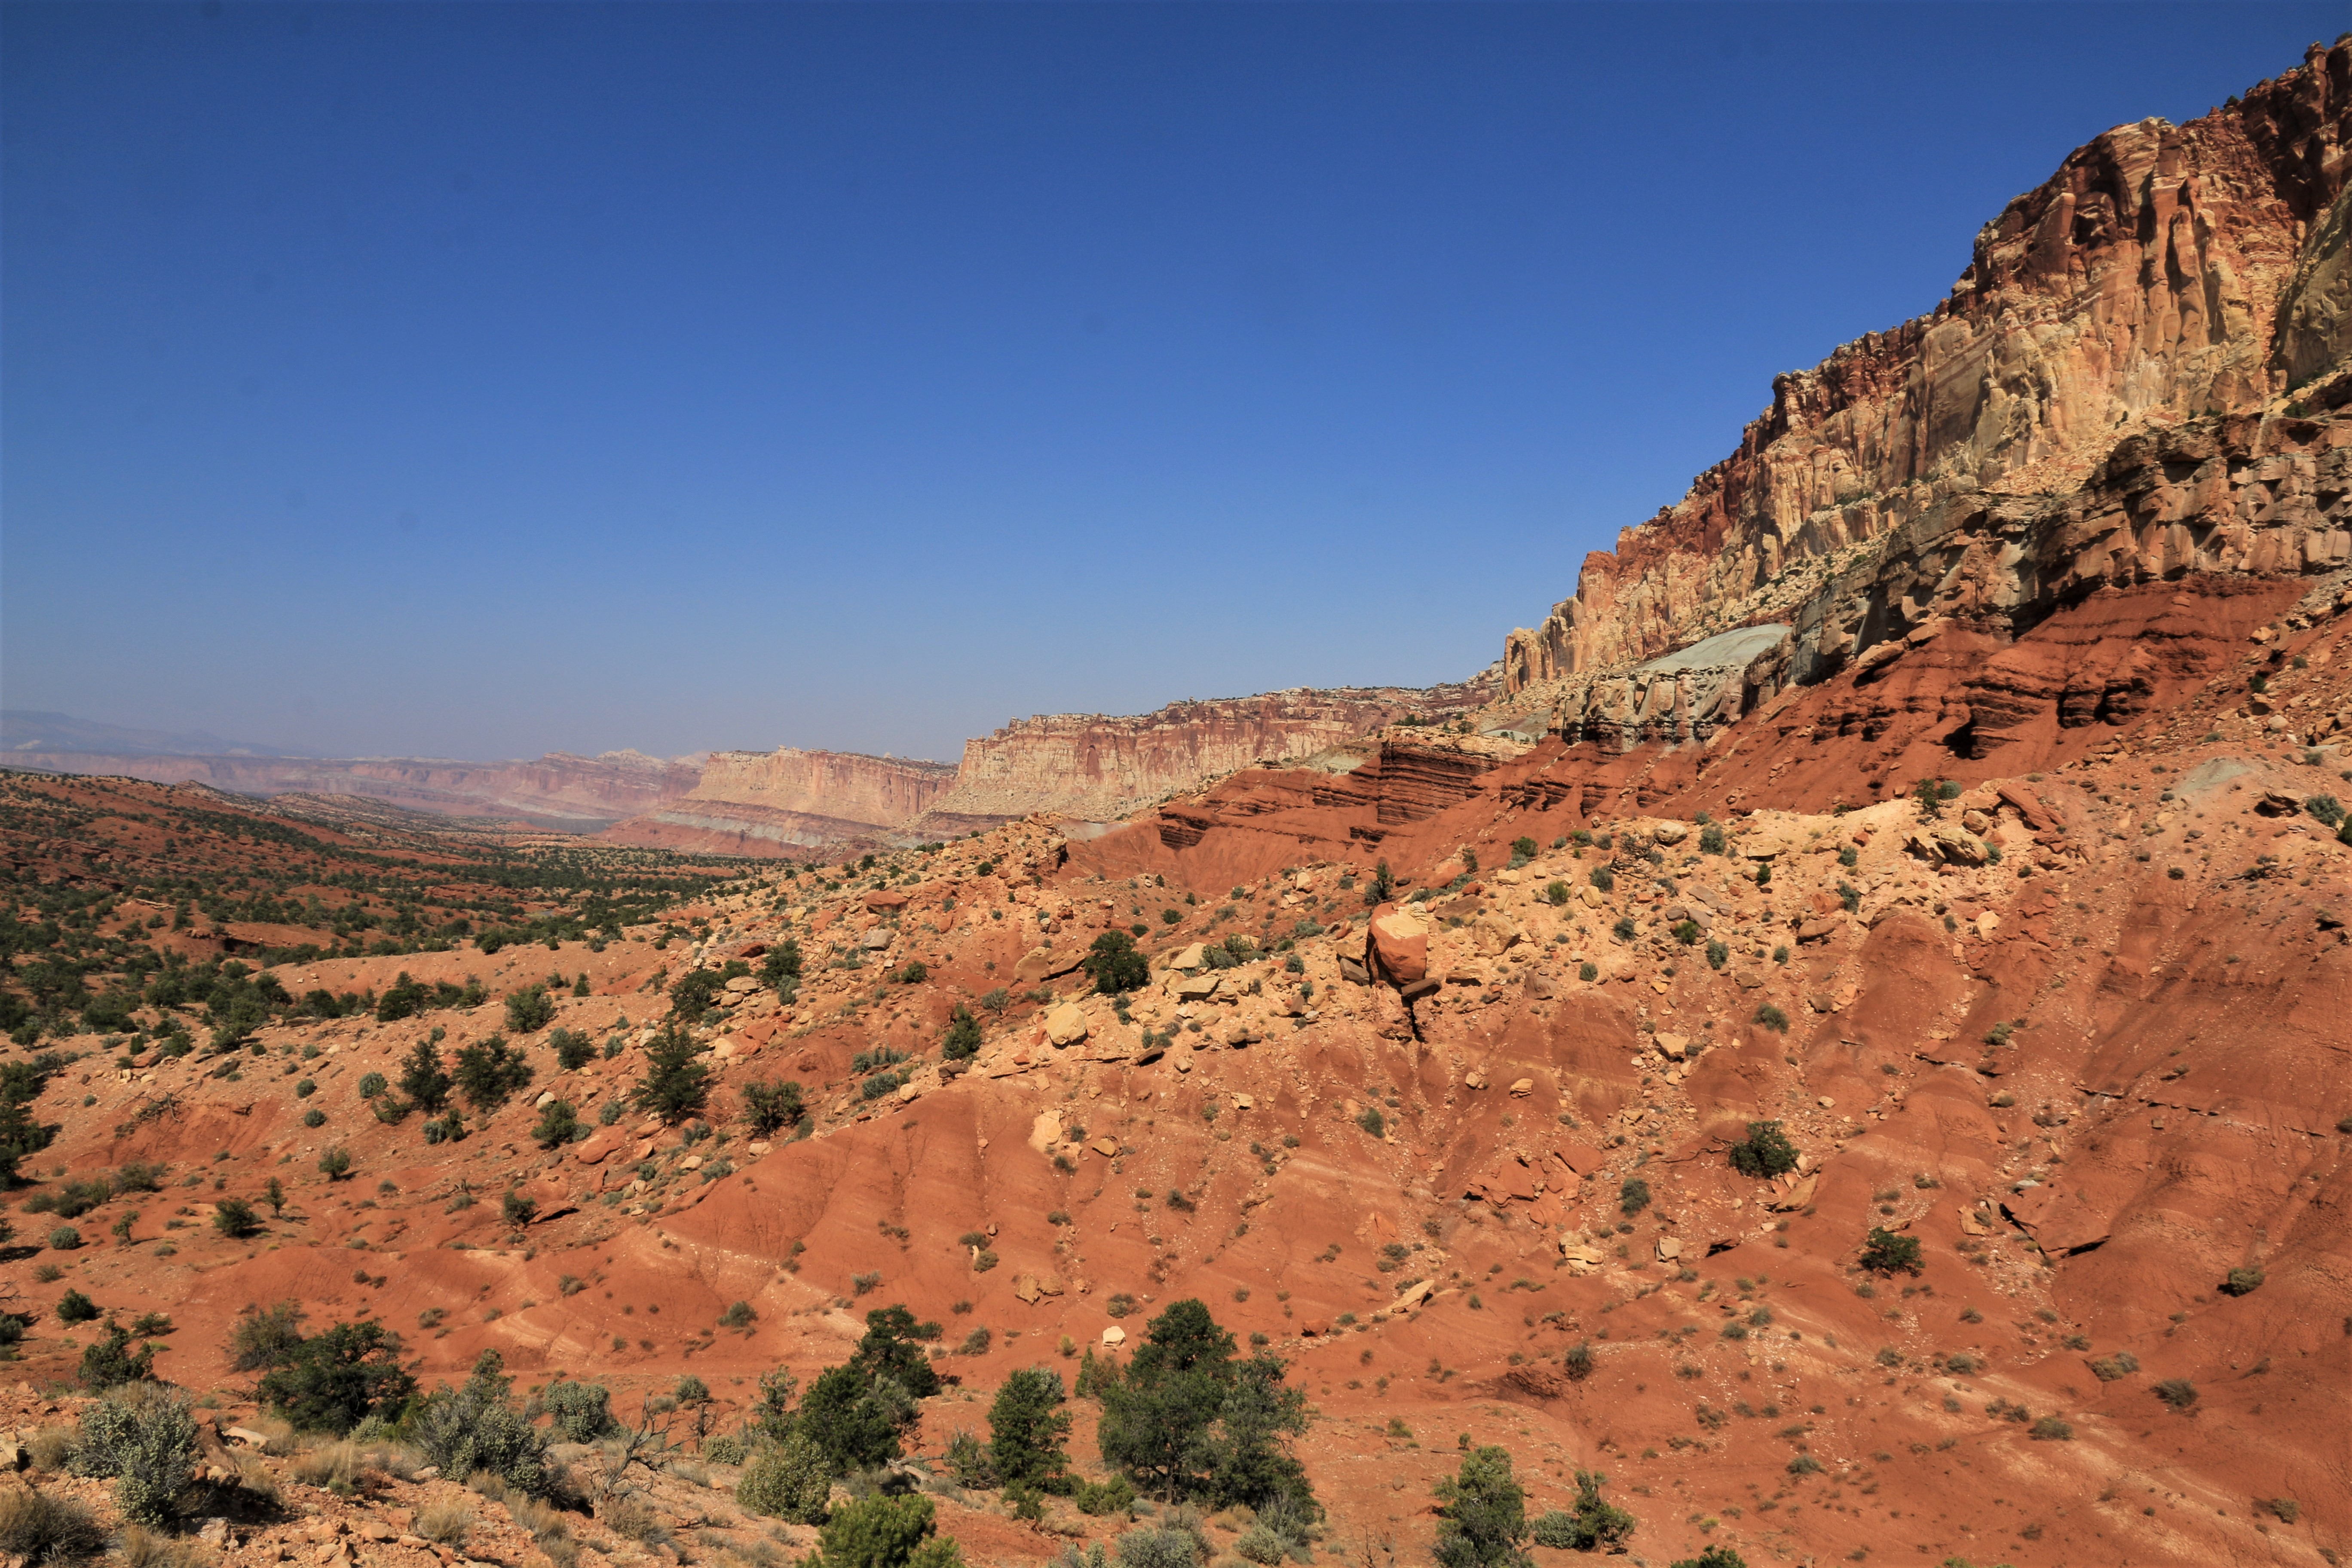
[
  {"x": 1088, "y": 766},
  {"x": 2165, "y": 275}
]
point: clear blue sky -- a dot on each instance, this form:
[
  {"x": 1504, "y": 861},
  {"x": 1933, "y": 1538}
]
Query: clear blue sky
[{"x": 477, "y": 379}]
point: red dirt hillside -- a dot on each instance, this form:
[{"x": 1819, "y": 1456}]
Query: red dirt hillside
[{"x": 1982, "y": 833}]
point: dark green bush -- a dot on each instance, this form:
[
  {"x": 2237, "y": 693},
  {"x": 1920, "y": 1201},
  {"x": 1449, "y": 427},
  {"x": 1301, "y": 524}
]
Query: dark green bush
[
  {"x": 573, "y": 1050},
  {"x": 1766, "y": 1151},
  {"x": 335, "y": 1380},
  {"x": 676, "y": 1084},
  {"x": 1884, "y": 1252},
  {"x": 528, "y": 1011},
  {"x": 772, "y": 1107},
  {"x": 492, "y": 1072},
  {"x": 963, "y": 1036},
  {"x": 1114, "y": 964},
  {"x": 559, "y": 1123}
]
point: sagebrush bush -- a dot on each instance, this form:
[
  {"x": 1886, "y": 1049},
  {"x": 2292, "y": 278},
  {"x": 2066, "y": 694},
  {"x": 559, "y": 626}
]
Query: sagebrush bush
[
  {"x": 786, "y": 1480},
  {"x": 476, "y": 1428},
  {"x": 583, "y": 1411},
  {"x": 147, "y": 1442}
]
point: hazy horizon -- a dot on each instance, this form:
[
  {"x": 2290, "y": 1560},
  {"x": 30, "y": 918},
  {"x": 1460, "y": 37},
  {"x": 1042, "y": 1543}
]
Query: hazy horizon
[{"x": 479, "y": 381}]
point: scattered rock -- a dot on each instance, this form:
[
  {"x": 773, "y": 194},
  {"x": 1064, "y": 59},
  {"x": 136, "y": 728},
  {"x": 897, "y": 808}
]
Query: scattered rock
[{"x": 1066, "y": 1025}]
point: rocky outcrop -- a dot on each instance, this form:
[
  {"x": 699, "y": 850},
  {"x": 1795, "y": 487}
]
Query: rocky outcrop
[
  {"x": 1098, "y": 768},
  {"x": 2114, "y": 391}
]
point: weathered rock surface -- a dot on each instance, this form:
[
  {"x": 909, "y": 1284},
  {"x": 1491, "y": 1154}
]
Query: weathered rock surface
[
  {"x": 1098, "y": 768},
  {"x": 2098, "y": 402}
]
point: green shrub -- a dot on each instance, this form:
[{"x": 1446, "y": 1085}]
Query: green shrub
[
  {"x": 1261, "y": 1545},
  {"x": 335, "y": 1163},
  {"x": 1374, "y": 1122},
  {"x": 492, "y": 1072},
  {"x": 529, "y": 1010},
  {"x": 265, "y": 1337},
  {"x": 883, "y": 1531},
  {"x": 2176, "y": 1392},
  {"x": 1097, "y": 1498},
  {"x": 1772, "y": 1018},
  {"x": 1027, "y": 1429},
  {"x": 337, "y": 1379},
  {"x": 421, "y": 1079},
  {"x": 1884, "y": 1252},
  {"x": 1160, "y": 1546},
  {"x": 583, "y": 1411},
  {"x": 1766, "y": 1151},
  {"x": 2115, "y": 1368},
  {"x": 1587, "y": 973},
  {"x": 1716, "y": 1556},
  {"x": 967, "y": 1459},
  {"x": 147, "y": 1444},
  {"x": 559, "y": 1123},
  {"x": 314, "y": 1116},
  {"x": 476, "y": 1428},
  {"x": 2051, "y": 1429},
  {"x": 1114, "y": 964},
  {"x": 1632, "y": 1196},
  {"x": 786, "y": 1480},
  {"x": 573, "y": 1050},
  {"x": 725, "y": 1448},
  {"x": 73, "y": 1307},
  {"x": 772, "y": 1107},
  {"x": 234, "y": 1217},
  {"x": 963, "y": 1036},
  {"x": 2242, "y": 1282},
  {"x": 676, "y": 1084},
  {"x": 1481, "y": 1513}
]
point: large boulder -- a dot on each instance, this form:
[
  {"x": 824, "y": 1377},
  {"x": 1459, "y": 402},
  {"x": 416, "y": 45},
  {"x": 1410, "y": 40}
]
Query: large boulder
[
  {"x": 1066, "y": 1025},
  {"x": 1401, "y": 946}
]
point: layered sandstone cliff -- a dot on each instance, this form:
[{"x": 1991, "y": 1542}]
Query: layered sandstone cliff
[
  {"x": 583, "y": 794},
  {"x": 1093, "y": 766},
  {"x": 2111, "y": 394},
  {"x": 773, "y": 802}
]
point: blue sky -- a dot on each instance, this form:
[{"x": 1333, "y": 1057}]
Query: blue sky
[{"x": 479, "y": 380}]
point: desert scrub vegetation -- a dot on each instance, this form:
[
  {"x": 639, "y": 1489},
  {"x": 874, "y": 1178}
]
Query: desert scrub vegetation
[{"x": 41, "y": 1527}]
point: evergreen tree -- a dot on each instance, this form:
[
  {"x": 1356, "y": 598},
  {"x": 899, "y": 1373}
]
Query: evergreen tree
[
  {"x": 1486, "y": 1517},
  {"x": 853, "y": 1425},
  {"x": 1026, "y": 1428},
  {"x": 334, "y": 1380},
  {"x": 421, "y": 1078},
  {"x": 890, "y": 1349}
]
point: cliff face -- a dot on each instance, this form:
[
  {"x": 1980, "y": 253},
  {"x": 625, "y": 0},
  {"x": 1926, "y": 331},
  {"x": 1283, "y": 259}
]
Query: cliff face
[
  {"x": 2046, "y": 416},
  {"x": 790, "y": 801},
  {"x": 559, "y": 789},
  {"x": 1087, "y": 765},
  {"x": 755, "y": 803}
]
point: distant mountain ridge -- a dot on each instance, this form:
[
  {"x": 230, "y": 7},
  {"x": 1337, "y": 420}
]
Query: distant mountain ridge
[
  {"x": 28, "y": 729},
  {"x": 788, "y": 801}
]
